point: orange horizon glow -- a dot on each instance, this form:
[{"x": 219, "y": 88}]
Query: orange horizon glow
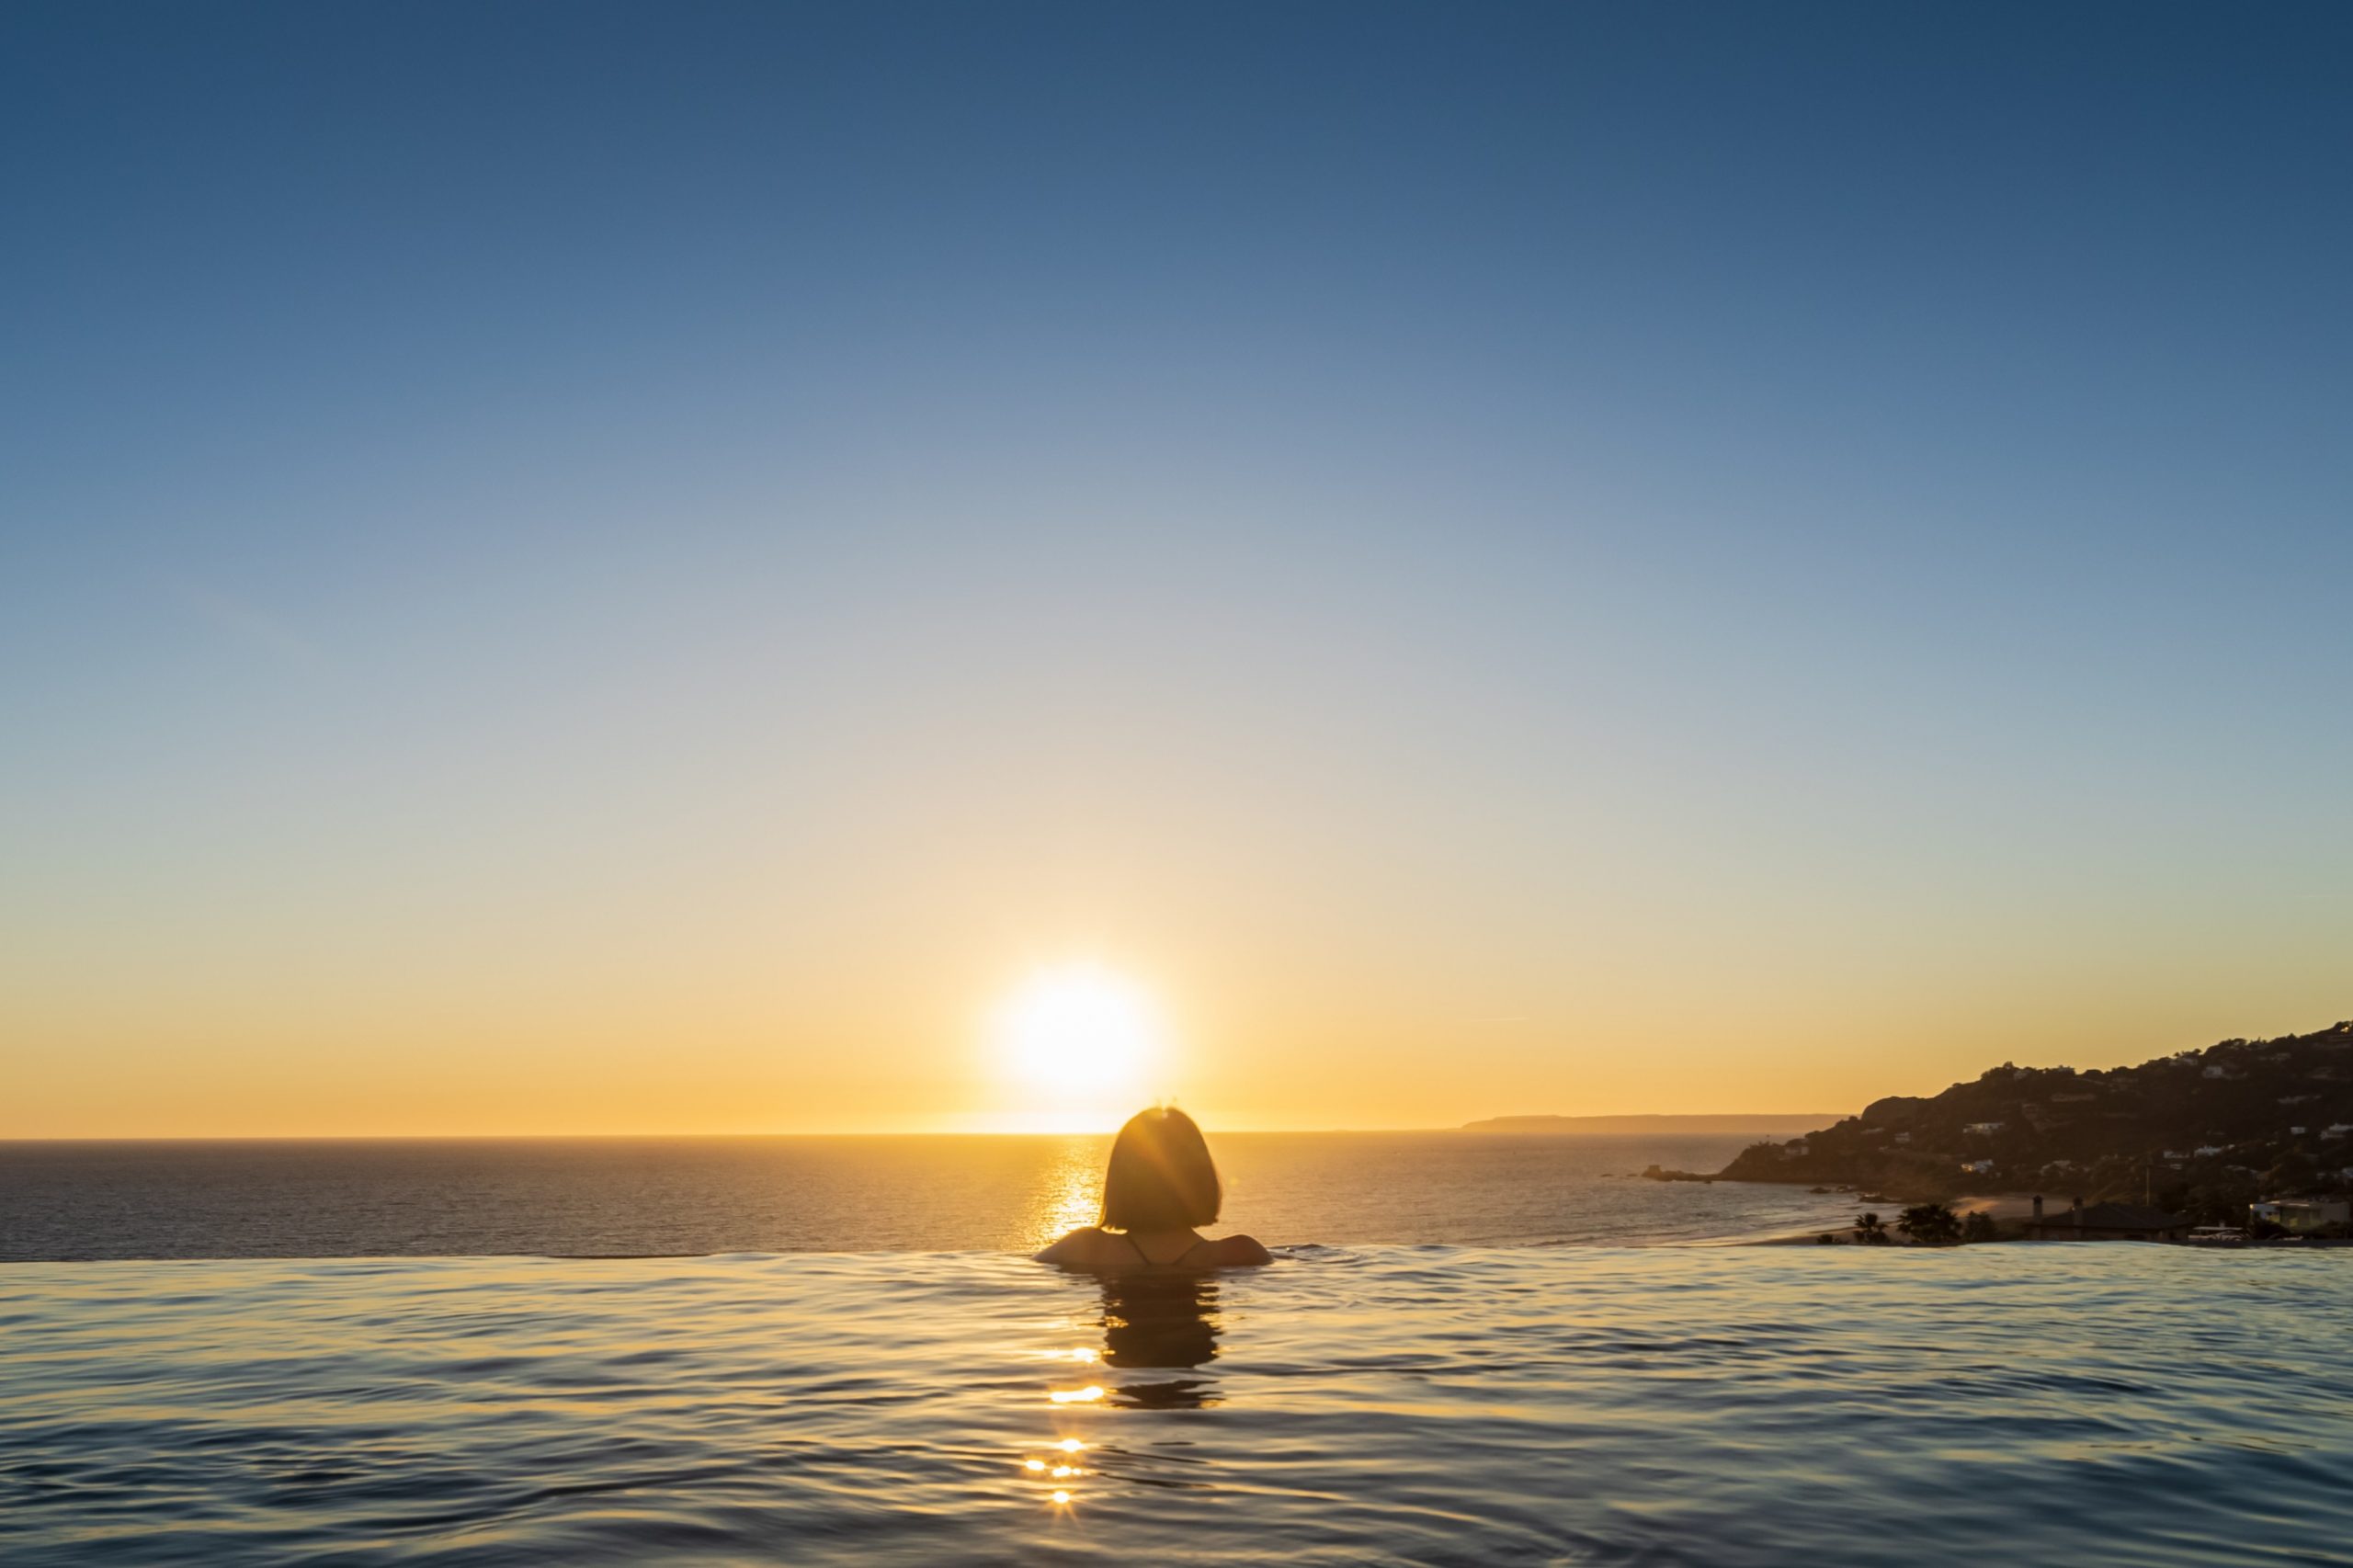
[{"x": 923, "y": 1043}]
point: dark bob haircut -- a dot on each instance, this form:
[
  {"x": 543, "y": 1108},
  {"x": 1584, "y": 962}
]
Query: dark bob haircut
[{"x": 1161, "y": 1177}]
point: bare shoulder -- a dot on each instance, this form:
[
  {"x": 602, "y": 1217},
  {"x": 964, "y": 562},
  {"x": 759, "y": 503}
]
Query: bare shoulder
[
  {"x": 1077, "y": 1250},
  {"x": 1242, "y": 1252}
]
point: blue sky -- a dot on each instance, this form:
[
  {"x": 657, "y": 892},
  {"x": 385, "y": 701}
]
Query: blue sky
[{"x": 1649, "y": 521}]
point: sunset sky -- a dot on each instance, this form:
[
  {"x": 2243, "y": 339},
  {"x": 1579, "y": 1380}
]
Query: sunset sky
[{"x": 650, "y": 569}]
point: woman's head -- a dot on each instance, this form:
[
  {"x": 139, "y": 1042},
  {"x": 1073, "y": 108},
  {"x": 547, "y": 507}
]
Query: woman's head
[{"x": 1161, "y": 1177}]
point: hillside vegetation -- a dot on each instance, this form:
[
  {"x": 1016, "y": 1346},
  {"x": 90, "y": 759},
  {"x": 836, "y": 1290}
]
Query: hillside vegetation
[{"x": 2203, "y": 1132}]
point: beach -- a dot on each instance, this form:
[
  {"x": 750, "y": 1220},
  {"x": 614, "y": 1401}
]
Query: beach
[{"x": 2007, "y": 1208}]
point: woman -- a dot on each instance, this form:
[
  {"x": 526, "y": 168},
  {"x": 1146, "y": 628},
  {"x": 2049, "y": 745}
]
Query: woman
[{"x": 1161, "y": 1183}]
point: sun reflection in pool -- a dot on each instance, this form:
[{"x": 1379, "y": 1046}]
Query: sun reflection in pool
[
  {"x": 1064, "y": 1471},
  {"x": 1150, "y": 1324},
  {"x": 1061, "y": 1463}
]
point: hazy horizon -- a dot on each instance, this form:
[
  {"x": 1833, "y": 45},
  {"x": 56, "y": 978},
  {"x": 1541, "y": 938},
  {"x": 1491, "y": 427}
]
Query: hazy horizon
[
  {"x": 656, "y": 570},
  {"x": 1826, "y": 1118}
]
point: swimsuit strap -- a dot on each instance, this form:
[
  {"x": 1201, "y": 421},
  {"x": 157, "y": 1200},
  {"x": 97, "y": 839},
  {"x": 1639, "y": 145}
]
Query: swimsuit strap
[{"x": 1149, "y": 1262}]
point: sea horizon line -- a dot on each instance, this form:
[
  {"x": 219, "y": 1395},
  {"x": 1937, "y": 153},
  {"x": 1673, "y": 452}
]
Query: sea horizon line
[{"x": 613, "y": 1136}]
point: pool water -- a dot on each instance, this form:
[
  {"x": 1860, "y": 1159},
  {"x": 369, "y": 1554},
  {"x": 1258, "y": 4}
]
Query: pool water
[{"x": 2004, "y": 1404}]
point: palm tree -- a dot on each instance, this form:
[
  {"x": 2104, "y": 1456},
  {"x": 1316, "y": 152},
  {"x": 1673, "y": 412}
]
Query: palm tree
[
  {"x": 1931, "y": 1225},
  {"x": 1870, "y": 1230}
]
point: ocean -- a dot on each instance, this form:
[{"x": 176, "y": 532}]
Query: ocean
[
  {"x": 1727, "y": 1406},
  {"x": 629, "y": 1197}
]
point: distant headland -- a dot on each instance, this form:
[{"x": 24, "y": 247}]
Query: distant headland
[
  {"x": 1776, "y": 1124},
  {"x": 2202, "y": 1133}
]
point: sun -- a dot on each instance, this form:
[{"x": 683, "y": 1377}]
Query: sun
[{"x": 1080, "y": 1034}]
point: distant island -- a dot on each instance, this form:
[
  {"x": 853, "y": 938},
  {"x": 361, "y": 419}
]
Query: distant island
[
  {"x": 2203, "y": 1133},
  {"x": 1764, "y": 1126}
]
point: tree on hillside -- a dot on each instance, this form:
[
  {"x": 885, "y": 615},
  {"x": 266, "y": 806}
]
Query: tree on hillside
[{"x": 1930, "y": 1225}]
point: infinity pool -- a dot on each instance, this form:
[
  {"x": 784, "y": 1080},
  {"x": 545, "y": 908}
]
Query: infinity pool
[{"x": 2002, "y": 1404}]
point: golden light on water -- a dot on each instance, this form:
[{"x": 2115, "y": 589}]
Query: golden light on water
[
  {"x": 1065, "y": 1466},
  {"x": 1076, "y": 1202},
  {"x": 1068, "y": 1193},
  {"x": 1059, "y": 1466}
]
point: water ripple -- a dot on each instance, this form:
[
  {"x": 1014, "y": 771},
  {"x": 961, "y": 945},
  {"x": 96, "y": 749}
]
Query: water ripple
[{"x": 1393, "y": 1404}]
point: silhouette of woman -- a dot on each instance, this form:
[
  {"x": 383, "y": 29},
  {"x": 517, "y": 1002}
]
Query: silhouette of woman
[{"x": 1160, "y": 1186}]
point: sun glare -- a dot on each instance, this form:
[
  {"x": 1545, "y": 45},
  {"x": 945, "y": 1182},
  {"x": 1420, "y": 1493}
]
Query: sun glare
[{"x": 1080, "y": 1035}]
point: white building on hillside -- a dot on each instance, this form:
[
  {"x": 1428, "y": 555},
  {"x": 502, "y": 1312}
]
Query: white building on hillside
[{"x": 2303, "y": 1213}]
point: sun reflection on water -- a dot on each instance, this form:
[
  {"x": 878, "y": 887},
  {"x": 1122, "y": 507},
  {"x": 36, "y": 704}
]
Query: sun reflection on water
[
  {"x": 1160, "y": 1334},
  {"x": 1069, "y": 1198},
  {"x": 1066, "y": 1192},
  {"x": 1070, "y": 1195},
  {"x": 1063, "y": 1470}
]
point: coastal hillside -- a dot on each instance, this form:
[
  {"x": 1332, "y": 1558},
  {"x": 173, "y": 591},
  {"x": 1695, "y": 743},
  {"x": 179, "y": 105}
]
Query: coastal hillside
[
  {"x": 2202, "y": 1132},
  {"x": 1776, "y": 1125}
]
